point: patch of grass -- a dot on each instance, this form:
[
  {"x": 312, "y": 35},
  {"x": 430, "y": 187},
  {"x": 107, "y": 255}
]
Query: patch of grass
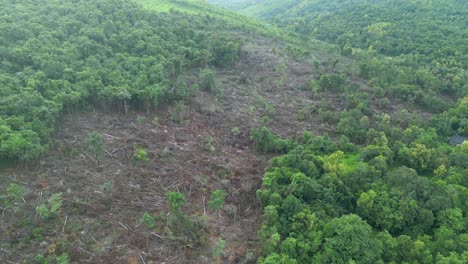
[
  {"x": 199, "y": 7},
  {"x": 446, "y": 147},
  {"x": 350, "y": 160},
  {"x": 218, "y": 249},
  {"x": 235, "y": 131},
  {"x": 36, "y": 233},
  {"x": 209, "y": 144}
]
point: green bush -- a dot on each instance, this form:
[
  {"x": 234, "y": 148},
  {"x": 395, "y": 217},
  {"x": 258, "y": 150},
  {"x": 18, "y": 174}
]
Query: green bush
[
  {"x": 148, "y": 220},
  {"x": 52, "y": 208},
  {"x": 268, "y": 142},
  {"x": 208, "y": 81},
  {"x": 178, "y": 112},
  {"x": 332, "y": 82},
  {"x": 140, "y": 154}
]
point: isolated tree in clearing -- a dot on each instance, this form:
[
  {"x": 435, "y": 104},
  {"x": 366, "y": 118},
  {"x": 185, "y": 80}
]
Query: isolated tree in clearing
[{"x": 96, "y": 145}]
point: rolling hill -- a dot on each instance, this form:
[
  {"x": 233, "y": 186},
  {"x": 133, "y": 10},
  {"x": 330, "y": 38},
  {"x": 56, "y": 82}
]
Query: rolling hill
[{"x": 172, "y": 131}]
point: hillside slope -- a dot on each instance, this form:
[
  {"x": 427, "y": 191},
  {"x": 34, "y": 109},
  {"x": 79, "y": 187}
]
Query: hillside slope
[
  {"x": 107, "y": 109},
  {"x": 386, "y": 199},
  {"x": 173, "y": 132},
  {"x": 101, "y": 54},
  {"x": 391, "y": 27},
  {"x": 431, "y": 29},
  {"x": 201, "y": 7},
  {"x": 410, "y": 48}
]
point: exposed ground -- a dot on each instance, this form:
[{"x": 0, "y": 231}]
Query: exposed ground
[{"x": 192, "y": 148}]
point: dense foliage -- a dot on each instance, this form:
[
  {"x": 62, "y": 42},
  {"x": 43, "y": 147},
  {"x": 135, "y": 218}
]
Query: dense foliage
[
  {"x": 389, "y": 202},
  {"x": 109, "y": 54},
  {"x": 391, "y": 27}
]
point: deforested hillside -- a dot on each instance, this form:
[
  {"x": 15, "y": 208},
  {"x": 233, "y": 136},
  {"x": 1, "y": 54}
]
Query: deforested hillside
[
  {"x": 174, "y": 131},
  {"x": 125, "y": 128}
]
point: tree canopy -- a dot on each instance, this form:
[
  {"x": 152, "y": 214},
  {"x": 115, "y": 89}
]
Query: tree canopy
[{"x": 65, "y": 55}]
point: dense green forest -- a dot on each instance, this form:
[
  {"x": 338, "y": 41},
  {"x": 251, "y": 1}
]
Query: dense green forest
[
  {"x": 398, "y": 198},
  {"x": 191, "y": 103},
  {"x": 390, "y": 27},
  {"x": 63, "y": 55}
]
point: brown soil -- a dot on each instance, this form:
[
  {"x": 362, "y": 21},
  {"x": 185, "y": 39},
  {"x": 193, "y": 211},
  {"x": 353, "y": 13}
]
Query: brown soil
[{"x": 104, "y": 226}]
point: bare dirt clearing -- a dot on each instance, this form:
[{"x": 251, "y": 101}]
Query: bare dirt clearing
[{"x": 103, "y": 223}]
